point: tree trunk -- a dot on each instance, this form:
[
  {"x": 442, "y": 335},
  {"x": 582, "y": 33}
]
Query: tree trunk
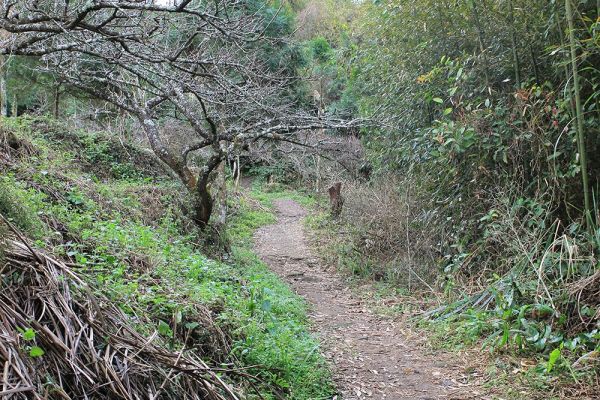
[
  {"x": 566, "y": 65},
  {"x": 203, "y": 204},
  {"x": 318, "y": 173},
  {"x": 203, "y": 200},
  {"x": 197, "y": 186},
  {"x": 336, "y": 200},
  {"x": 220, "y": 185},
  {"x": 534, "y": 62},
  {"x": 56, "y": 105},
  {"x": 3, "y": 89},
  {"x": 15, "y": 106},
  {"x": 482, "y": 44},
  {"x": 237, "y": 171},
  {"x": 513, "y": 42}
]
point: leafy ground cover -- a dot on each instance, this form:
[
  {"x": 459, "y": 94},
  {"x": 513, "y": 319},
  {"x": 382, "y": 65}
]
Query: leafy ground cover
[{"x": 122, "y": 228}]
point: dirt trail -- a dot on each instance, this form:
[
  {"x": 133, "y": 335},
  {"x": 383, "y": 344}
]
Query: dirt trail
[{"x": 371, "y": 355}]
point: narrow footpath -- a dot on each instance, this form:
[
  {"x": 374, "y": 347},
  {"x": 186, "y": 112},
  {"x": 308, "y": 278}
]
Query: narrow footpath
[{"x": 372, "y": 357}]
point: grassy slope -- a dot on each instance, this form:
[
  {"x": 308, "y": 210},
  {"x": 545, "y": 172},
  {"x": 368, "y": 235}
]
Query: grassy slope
[{"x": 102, "y": 209}]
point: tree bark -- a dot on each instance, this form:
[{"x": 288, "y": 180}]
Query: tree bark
[
  {"x": 56, "y": 101},
  {"x": 221, "y": 195},
  {"x": 336, "y": 200},
  {"x": 3, "y": 89},
  {"x": 203, "y": 200},
  {"x": 237, "y": 171},
  {"x": 203, "y": 204}
]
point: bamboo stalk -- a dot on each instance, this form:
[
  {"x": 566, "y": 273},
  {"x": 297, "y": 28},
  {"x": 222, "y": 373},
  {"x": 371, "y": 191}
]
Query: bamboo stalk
[
  {"x": 482, "y": 45},
  {"x": 513, "y": 42},
  {"x": 579, "y": 113},
  {"x": 566, "y": 66}
]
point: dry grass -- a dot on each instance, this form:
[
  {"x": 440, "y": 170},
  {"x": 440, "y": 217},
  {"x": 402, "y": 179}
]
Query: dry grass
[
  {"x": 12, "y": 147},
  {"x": 90, "y": 347},
  {"x": 389, "y": 232}
]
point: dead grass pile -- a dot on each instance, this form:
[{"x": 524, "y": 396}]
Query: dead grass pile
[
  {"x": 61, "y": 340},
  {"x": 12, "y": 147},
  {"x": 391, "y": 231}
]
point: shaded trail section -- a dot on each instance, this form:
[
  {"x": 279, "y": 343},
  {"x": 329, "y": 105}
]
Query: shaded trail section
[{"x": 370, "y": 355}]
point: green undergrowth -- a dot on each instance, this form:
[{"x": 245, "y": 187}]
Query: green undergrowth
[
  {"x": 279, "y": 339},
  {"x": 530, "y": 347},
  {"x": 265, "y": 194},
  {"x": 523, "y": 357},
  {"x": 122, "y": 227}
]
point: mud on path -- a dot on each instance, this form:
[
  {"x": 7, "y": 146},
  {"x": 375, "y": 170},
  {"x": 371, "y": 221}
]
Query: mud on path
[{"x": 371, "y": 356}]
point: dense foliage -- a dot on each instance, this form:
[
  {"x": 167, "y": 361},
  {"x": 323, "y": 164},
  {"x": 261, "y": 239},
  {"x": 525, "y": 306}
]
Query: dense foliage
[
  {"x": 476, "y": 178},
  {"x": 489, "y": 117}
]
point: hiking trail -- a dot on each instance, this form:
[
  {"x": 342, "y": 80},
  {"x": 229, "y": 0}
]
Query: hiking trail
[{"x": 371, "y": 356}]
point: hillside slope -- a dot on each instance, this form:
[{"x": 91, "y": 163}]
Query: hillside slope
[{"x": 117, "y": 288}]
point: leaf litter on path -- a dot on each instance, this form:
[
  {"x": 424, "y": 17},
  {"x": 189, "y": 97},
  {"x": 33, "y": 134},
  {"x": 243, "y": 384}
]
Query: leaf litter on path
[{"x": 372, "y": 357}]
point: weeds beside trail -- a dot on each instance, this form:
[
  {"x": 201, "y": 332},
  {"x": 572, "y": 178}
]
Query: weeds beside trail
[
  {"x": 119, "y": 227},
  {"x": 529, "y": 310},
  {"x": 371, "y": 356},
  {"x": 277, "y": 338}
]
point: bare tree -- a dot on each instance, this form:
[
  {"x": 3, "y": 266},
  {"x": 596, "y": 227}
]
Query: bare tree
[{"x": 200, "y": 62}]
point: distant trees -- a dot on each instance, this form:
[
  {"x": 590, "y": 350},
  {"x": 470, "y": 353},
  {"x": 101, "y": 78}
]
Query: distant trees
[{"x": 210, "y": 66}]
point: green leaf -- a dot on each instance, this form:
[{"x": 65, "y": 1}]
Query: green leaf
[
  {"x": 447, "y": 111},
  {"x": 438, "y": 100},
  {"x": 266, "y": 306},
  {"x": 29, "y": 334},
  {"x": 36, "y": 351},
  {"x": 164, "y": 328},
  {"x": 554, "y": 356},
  {"x": 192, "y": 325}
]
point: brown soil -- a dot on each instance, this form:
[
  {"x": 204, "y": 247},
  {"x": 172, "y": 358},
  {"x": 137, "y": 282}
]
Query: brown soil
[{"x": 371, "y": 356}]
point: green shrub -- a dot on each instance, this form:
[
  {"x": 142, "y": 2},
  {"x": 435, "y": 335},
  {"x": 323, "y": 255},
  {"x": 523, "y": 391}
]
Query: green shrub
[{"x": 22, "y": 206}]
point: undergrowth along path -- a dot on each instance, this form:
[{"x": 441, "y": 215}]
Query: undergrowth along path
[{"x": 371, "y": 356}]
